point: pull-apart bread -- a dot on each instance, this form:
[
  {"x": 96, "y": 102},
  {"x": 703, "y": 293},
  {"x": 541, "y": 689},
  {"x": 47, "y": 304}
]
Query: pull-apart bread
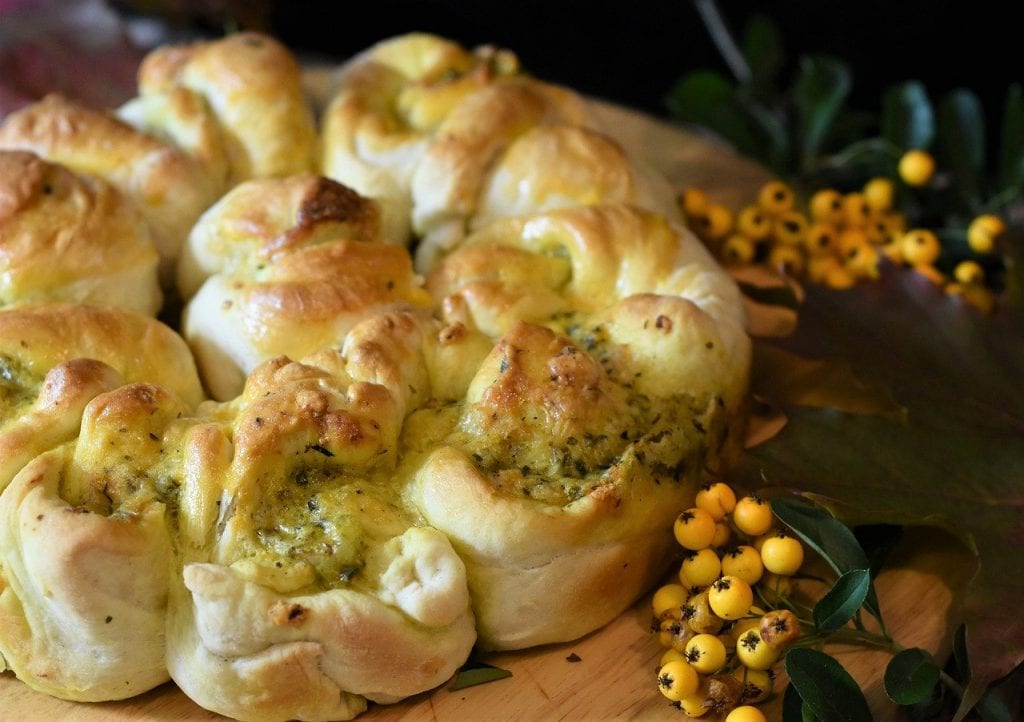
[{"x": 402, "y": 458}]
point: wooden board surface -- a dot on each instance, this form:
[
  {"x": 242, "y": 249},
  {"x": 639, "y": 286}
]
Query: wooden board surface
[{"x": 614, "y": 677}]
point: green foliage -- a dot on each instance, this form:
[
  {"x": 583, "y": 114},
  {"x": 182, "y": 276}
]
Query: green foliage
[
  {"x": 473, "y": 673},
  {"x": 803, "y": 129},
  {"x": 911, "y": 676},
  {"x": 825, "y": 687},
  {"x": 954, "y": 460},
  {"x": 841, "y": 603}
]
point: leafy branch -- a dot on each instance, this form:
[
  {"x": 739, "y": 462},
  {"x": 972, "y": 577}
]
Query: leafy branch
[{"x": 820, "y": 688}]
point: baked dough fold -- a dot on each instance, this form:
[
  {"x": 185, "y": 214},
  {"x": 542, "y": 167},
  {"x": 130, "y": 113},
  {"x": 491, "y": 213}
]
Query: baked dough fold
[{"x": 65, "y": 237}]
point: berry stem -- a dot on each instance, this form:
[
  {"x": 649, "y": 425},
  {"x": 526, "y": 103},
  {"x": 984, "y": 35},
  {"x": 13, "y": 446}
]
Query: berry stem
[{"x": 723, "y": 40}]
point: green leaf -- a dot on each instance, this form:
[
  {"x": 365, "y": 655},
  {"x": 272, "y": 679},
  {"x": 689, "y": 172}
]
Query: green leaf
[
  {"x": 829, "y": 537},
  {"x": 911, "y": 676},
  {"x": 827, "y": 688},
  {"x": 842, "y": 601},
  {"x": 821, "y": 88},
  {"x": 794, "y": 709},
  {"x": 709, "y": 99},
  {"x": 473, "y": 673},
  {"x": 955, "y": 461},
  {"x": 962, "y": 143},
  {"x": 908, "y": 120},
  {"x": 1011, "y": 156},
  {"x": 763, "y": 49}
]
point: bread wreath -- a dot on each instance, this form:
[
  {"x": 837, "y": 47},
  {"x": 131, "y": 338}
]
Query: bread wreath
[{"x": 490, "y": 453}]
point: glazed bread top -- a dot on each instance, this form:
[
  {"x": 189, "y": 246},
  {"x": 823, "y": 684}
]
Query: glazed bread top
[
  {"x": 168, "y": 186},
  {"x": 66, "y": 237}
]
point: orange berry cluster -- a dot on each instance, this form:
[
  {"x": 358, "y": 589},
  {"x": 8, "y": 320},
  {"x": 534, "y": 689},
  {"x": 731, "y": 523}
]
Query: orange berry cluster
[
  {"x": 720, "y": 644},
  {"x": 839, "y": 239}
]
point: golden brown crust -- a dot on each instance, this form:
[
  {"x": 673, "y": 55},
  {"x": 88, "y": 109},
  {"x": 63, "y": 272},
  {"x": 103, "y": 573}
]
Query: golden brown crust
[
  {"x": 252, "y": 83},
  {"x": 361, "y": 593},
  {"x": 41, "y": 337},
  {"x": 296, "y": 268},
  {"x": 169, "y": 187},
  {"x": 65, "y": 237}
]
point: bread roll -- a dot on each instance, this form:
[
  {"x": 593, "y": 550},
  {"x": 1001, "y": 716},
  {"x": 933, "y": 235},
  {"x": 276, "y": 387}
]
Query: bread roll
[
  {"x": 311, "y": 589},
  {"x": 65, "y": 237},
  {"x": 621, "y": 361},
  {"x": 290, "y": 265},
  {"x": 55, "y": 358},
  {"x": 451, "y": 141},
  {"x": 169, "y": 186},
  {"x": 84, "y": 619},
  {"x": 251, "y": 84},
  {"x": 389, "y": 102}
]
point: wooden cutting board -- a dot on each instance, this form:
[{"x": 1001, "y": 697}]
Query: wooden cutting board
[{"x": 610, "y": 674}]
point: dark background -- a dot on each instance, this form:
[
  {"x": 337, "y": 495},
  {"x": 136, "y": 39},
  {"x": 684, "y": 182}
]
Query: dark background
[{"x": 632, "y": 51}]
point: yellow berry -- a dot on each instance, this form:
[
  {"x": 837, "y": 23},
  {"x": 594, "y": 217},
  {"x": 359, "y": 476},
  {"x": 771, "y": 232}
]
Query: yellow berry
[
  {"x": 699, "y": 616},
  {"x": 753, "y": 223},
  {"x": 752, "y": 515},
  {"x": 677, "y": 680},
  {"x": 700, "y": 568},
  {"x": 969, "y": 273},
  {"x": 775, "y": 198},
  {"x": 705, "y": 653},
  {"x": 730, "y": 597},
  {"x": 671, "y": 655},
  {"x": 849, "y": 239},
  {"x": 694, "y": 529},
  {"x": 879, "y": 194},
  {"x": 787, "y": 260},
  {"x": 826, "y": 206},
  {"x": 746, "y": 713},
  {"x": 978, "y": 296},
  {"x": 856, "y": 211},
  {"x": 779, "y": 628},
  {"x": 862, "y": 261},
  {"x": 820, "y": 238},
  {"x": 742, "y": 626},
  {"x": 916, "y": 167},
  {"x": 737, "y": 250},
  {"x": 789, "y": 228},
  {"x": 920, "y": 247},
  {"x": 669, "y": 600},
  {"x": 931, "y": 273},
  {"x": 715, "y": 223},
  {"x": 716, "y": 498},
  {"x": 674, "y": 633},
  {"x": 722, "y": 535},
  {"x": 893, "y": 250},
  {"x": 782, "y": 554},
  {"x": 757, "y": 684},
  {"x": 693, "y": 202},
  {"x": 752, "y": 651},
  {"x": 743, "y": 562},
  {"x": 984, "y": 231},
  {"x": 823, "y": 268},
  {"x": 694, "y": 705}
]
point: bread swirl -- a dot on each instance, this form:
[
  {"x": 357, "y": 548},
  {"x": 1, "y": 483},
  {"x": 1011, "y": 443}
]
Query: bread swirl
[
  {"x": 287, "y": 266},
  {"x": 168, "y": 185},
  {"x": 65, "y": 237},
  {"x": 447, "y": 140},
  {"x": 82, "y": 461}
]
